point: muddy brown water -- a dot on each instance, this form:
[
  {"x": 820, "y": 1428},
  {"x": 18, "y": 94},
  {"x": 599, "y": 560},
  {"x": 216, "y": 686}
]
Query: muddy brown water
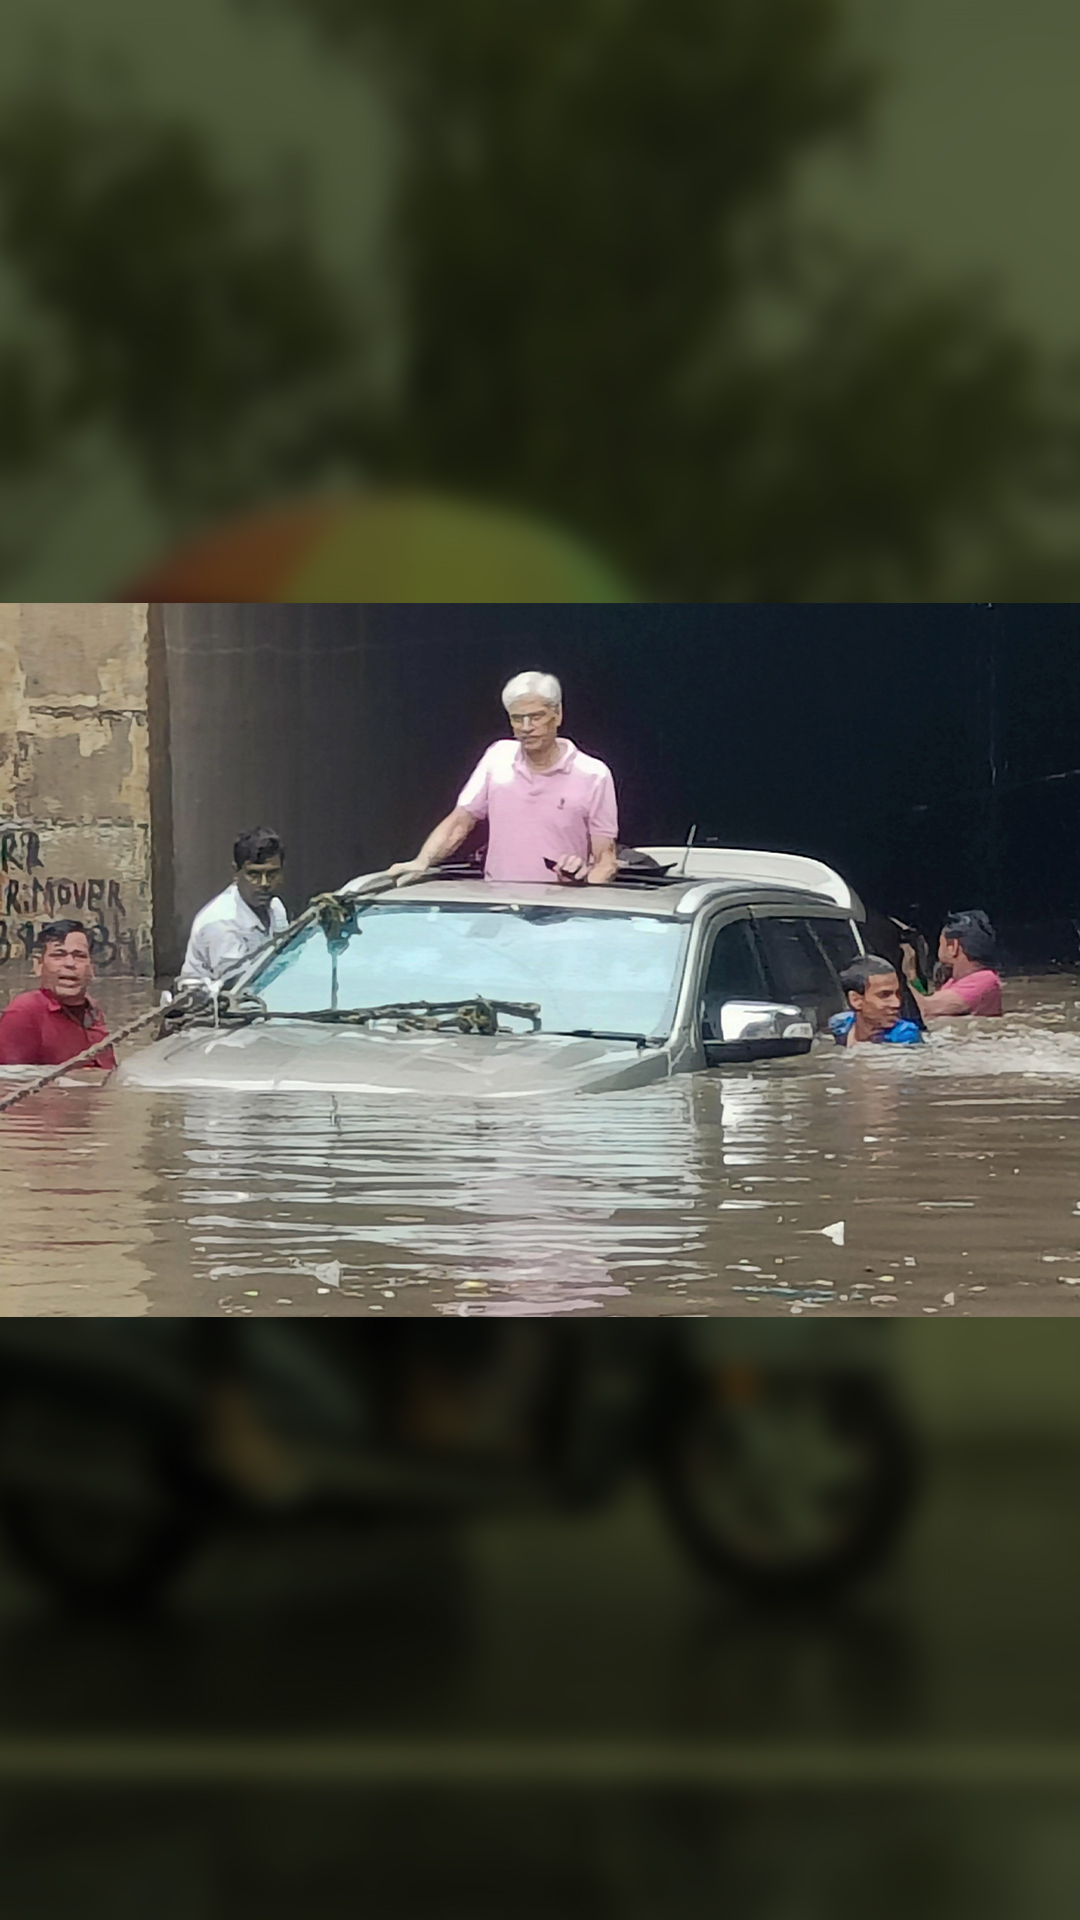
[{"x": 955, "y": 1171}]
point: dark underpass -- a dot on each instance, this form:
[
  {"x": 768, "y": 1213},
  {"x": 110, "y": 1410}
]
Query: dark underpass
[{"x": 926, "y": 751}]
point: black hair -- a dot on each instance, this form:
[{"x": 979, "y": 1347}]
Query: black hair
[
  {"x": 58, "y": 930},
  {"x": 857, "y": 975},
  {"x": 258, "y": 845},
  {"x": 973, "y": 930}
]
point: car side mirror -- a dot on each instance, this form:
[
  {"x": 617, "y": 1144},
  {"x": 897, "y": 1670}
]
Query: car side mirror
[{"x": 758, "y": 1030}]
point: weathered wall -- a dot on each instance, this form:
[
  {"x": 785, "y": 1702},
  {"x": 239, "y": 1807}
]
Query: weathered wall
[
  {"x": 74, "y": 779},
  {"x": 263, "y": 715}
]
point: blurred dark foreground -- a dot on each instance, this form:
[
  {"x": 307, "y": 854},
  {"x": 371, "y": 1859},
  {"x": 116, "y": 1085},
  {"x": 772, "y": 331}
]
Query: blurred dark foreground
[{"x": 541, "y": 1701}]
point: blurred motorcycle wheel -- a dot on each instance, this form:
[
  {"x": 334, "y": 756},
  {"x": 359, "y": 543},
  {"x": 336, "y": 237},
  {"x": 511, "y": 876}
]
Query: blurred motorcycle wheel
[
  {"x": 94, "y": 1503},
  {"x": 786, "y": 1484}
]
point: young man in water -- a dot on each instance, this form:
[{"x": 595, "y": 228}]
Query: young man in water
[
  {"x": 872, "y": 987},
  {"x": 966, "y": 946},
  {"x": 56, "y": 1019},
  {"x": 236, "y": 923}
]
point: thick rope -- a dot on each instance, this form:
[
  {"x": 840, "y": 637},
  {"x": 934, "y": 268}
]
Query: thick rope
[
  {"x": 331, "y": 909},
  {"x": 90, "y": 1054}
]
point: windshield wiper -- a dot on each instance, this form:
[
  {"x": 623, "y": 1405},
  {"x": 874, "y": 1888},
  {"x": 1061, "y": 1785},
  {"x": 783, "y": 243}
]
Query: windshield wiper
[
  {"x": 604, "y": 1033},
  {"x": 478, "y": 1015}
]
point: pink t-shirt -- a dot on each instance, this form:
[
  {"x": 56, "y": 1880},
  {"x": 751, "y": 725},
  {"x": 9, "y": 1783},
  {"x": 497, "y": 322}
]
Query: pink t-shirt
[
  {"x": 531, "y": 815},
  {"x": 980, "y": 991}
]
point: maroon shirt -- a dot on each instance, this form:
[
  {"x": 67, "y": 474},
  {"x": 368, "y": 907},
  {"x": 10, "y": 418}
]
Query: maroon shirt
[{"x": 38, "y": 1030}]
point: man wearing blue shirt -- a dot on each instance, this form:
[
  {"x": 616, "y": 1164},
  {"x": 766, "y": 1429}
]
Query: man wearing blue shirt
[{"x": 872, "y": 987}]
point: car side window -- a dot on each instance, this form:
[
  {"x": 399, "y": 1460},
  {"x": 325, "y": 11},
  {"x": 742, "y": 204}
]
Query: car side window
[
  {"x": 799, "y": 969},
  {"x": 838, "y": 939},
  {"x": 733, "y": 973}
]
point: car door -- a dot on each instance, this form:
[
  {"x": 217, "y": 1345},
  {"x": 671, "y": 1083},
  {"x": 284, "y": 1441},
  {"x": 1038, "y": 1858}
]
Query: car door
[
  {"x": 803, "y": 954},
  {"x": 737, "y": 1017},
  {"x": 731, "y": 970}
]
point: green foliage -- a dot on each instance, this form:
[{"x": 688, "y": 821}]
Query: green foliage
[
  {"x": 615, "y": 314},
  {"x": 609, "y": 307},
  {"x": 196, "y": 327}
]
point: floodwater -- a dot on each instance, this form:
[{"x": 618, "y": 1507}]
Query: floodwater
[{"x": 949, "y": 1178}]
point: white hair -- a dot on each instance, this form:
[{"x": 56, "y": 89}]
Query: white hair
[{"x": 543, "y": 686}]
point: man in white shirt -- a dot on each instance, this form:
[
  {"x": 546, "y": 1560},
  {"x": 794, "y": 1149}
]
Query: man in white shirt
[{"x": 236, "y": 923}]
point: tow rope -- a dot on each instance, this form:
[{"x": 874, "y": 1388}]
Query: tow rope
[
  {"x": 90, "y": 1054},
  {"x": 331, "y": 910}
]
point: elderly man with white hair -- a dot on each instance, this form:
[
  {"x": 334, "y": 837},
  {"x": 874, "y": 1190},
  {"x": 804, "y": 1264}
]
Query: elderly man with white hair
[{"x": 550, "y": 808}]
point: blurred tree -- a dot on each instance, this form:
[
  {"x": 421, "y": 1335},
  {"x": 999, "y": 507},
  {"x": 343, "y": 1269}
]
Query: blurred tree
[
  {"x": 186, "y": 322},
  {"x": 614, "y": 312},
  {"x": 609, "y": 310}
]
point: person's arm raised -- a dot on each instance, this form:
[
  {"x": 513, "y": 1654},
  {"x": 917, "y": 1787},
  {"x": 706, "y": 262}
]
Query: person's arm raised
[
  {"x": 444, "y": 840},
  {"x": 945, "y": 1004}
]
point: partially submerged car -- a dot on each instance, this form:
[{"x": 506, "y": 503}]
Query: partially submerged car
[{"x": 460, "y": 987}]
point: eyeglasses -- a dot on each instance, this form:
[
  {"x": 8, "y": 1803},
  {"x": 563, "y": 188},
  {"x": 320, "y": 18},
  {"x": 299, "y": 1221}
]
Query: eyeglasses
[{"x": 529, "y": 719}]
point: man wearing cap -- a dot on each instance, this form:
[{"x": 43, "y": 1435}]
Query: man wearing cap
[{"x": 550, "y": 809}]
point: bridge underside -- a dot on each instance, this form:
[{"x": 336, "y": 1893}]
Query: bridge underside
[{"x": 925, "y": 752}]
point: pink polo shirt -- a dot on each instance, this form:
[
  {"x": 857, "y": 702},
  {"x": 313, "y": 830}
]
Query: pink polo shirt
[
  {"x": 534, "y": 815},
  {"x": 980, "y": 991}
]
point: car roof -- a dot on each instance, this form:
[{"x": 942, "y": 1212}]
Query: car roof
[
  {"x": 762, "y": 867},
  {"x": 665, "y": 899},
  {"x": 675, "y": 883}
]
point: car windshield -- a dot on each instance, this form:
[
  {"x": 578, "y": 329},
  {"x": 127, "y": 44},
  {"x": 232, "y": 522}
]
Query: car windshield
[{"x": 594, "y": 971}]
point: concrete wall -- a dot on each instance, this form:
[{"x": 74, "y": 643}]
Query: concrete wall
[
  {"x": 264, "y": 715},
  {"x": 74, "y": 780}
]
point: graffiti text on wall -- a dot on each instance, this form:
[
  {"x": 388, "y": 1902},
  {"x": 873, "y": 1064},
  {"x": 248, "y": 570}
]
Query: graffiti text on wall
[{"x": 27, "y": 901}]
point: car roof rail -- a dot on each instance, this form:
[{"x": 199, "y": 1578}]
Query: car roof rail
[{"x": 763, "y": 868}]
